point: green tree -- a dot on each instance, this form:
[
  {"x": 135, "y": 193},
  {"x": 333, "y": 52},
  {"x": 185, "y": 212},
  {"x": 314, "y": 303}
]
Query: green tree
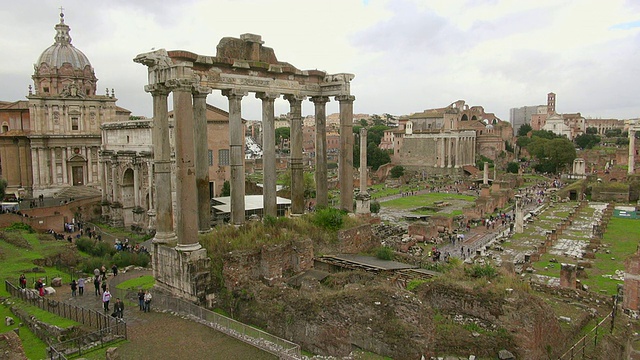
[
  {"x": 613, "y": 133},
  {"x": 308, "y": 182},
  {"x": 397, "y": 171},
  {"x": 376, "y": 133},
  {"x": 226, "y": 189},
  {"x": 282, "y": 133},
  {"x": 377, "y": 120},
  {"x": 545, "y": 134},
  {"x": 377, "y": 157},
  {"x": 524, "y": 129},
  {"x": 523, "y": 141},
  {"x": 592, "y": 130},
  {"x": 513, "y": 167},
  {"x": 587, "y": 141},
  {"x": 363, "y": 123}
]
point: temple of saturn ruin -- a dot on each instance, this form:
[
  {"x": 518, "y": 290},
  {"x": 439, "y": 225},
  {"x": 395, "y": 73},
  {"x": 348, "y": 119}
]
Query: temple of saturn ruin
[{"x": 240, "y": 66}]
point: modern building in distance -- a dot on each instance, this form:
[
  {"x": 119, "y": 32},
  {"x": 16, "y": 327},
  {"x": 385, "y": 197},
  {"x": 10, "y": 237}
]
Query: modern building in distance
[{"x": 522, "y": 115}]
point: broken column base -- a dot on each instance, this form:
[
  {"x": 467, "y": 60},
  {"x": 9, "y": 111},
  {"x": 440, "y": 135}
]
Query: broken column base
[
  {"x": 363, "y": 203},
  {"x": 182, "y": 273}
]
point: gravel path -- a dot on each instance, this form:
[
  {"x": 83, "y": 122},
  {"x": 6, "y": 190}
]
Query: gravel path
[{"x": 157, "y": 335}]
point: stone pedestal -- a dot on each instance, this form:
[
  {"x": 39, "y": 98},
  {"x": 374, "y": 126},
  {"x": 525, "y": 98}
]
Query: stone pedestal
[
  {"x": 568, "y": 275},
  {"x": 185, "y": 274},
  {"x": 363, "y": 203}
]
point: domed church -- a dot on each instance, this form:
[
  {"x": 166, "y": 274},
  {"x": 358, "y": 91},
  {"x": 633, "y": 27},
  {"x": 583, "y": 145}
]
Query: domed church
[{"x": 49, "y": 145}]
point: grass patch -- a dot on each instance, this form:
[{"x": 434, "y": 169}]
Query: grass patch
[
  {"x": 421, "y": 200},
  {"x": 143, "y": 282},
  {"x": 45, "y": 316}
]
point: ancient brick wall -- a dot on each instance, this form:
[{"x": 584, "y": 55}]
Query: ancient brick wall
[
  {"x": 272, "y": 263},
  {"x": 356, "y": 240},
  {"x": 632, "y": 282}
]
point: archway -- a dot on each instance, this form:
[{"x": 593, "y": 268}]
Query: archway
[{"x": 127, "y": 189}]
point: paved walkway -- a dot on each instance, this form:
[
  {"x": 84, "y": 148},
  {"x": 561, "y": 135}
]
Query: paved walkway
[{"x": 157, "y": 335}]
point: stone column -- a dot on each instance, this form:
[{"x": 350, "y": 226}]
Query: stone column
[
  {"x": 485, "y": 174},
  {"x": 363, "y": 200},
  {"x": 65, "y": 177},
  {"x": 35, "y": 161},
  {"x": 54, "y": 167},
  {"x": 186, "y": 190},
  {"x": 136, "y": 185},
  {"x": 101, "y": 174},
  {"x": 162, "y": 165},
  {"x": 322, "y": 192},
  {"x": 450, "y": 152},
  {"x": 363, "y": 160},
  {"x": 89, "y": 165},
  {"x": 202, "y": 157},
  {"x": 115, "y": 183},
  {"x": 519, "y": 216},
  {"x": 44, "y": 169},
  {"x": 236, "y": 144},
  {"x": 151, "y": 203},
  {"x": 297, "y": 169},
  {"x": 442, "y": 151},
  {"x": 457, "y": 157},
  {"x": 346, "y": 152},
  {"x": 632, "y": 151},
  {"x": 270, "y": 206},
  {"x": 568, "y": 276}
]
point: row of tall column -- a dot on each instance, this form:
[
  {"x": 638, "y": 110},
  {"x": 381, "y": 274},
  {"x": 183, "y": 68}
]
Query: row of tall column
[
  {"x": 192, "y": 199},
  {"x": 455, "y": 151},
  {"x": 45, "y": 167}
]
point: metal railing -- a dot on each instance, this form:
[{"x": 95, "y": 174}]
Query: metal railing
[
  {"x": 85, "y": 343},
  {"x": 586, "y": 345},
  {"x": 84, "y": 316},
  {"x": 282, "y": 348}
]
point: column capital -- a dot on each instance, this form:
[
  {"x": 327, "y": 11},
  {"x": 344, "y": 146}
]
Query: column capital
[
  {"x": 234, "y": 93},
  {"x": 201, "y": 91},
  {"x": 157, "y": 89},
  {"x": 345, "y": 98},
  {"x": 267, "y": 96},
  {"x": 319, "y": 99},
  {"x": 292, "y": 98}
]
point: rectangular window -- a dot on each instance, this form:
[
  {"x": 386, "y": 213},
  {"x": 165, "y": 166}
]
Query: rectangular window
[
  {"x": 223, "y": 157},
  {"x": 210, "y": 157},
  {"x": 74, "y": 123}
]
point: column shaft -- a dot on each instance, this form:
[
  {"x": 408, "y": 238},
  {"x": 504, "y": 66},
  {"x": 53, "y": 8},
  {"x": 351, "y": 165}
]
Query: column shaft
[
  {"x": 162, "y": 166},
  {"x": 363, "y": 160},
  {"x": 269, "y": 154},
  {"x": 54, "y": 167},
  {"x": 136, "y": 185},
  {"x": 322, "y": 192},
  {"x": 346, "y": 152},
  {"x": 632, "y": 151},
  {"x": 297, "y": 173},
  {"x": 201, "y": 158},
  {"x": 186, "y": 191},
  {"x": 442, "y": 151},
  {"x": 236, "y": 144},
  {"x": 89, "y": 166},
  {"x": 65, "y": 177}
]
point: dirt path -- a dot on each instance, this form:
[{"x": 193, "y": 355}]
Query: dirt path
[{"x": 157, "y": 335}]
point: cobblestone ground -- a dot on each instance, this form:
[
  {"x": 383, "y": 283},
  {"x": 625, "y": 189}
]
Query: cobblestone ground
[{"x": 157, "y": 335}]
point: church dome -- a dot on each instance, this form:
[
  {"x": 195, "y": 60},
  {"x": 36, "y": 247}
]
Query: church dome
[{"x": 62, "y": 51}]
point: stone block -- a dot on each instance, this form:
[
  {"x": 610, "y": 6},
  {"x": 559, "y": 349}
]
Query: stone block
[{"x": 56, "y": 282}]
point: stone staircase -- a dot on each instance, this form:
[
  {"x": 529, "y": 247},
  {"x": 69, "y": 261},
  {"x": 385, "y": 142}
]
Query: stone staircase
[{"x": 78, "y": 192}]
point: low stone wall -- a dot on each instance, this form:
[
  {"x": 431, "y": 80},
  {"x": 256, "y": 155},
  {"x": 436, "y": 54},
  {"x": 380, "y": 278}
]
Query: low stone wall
[
  {"x": 184, "y": 274},
  {"x": 356, "y": 240},
  {"x": 270, "y": 264}
]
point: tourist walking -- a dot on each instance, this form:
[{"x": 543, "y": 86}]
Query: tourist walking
[
  {"x": 118, "y": 309},
  {"x": 96, "y": 283},
  {"x": 141, "y": 299},
  {"x": 74, "y": 287},
  {"x": 106, "y": 297},
  {"x": 40, "y": 287},
  {"x": 81, "y": 286},
  {"x": 104, "y": 283},
  {"x": 23, "y": 281},
  {"x": 114, "y": 269},
  {"x": 147, "y": 301}
]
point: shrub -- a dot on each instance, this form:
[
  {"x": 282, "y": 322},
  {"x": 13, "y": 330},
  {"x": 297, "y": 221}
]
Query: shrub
[
  {"x": 20, "y": 227},
  {"x": 478, "y": 271},
  {"x": 384, "y": 253},
  {"x": 124, "y": 258},
  {"x": 397, "y": 171},
  {"x": 374, "y": 207},
  {"x": 94, "y": 248},
  {"x": 328, "y": 218},
  {"x": 15, "y": 239},
  {"x": 513, "y": 167},
  {"x": 413, "y": 284}
]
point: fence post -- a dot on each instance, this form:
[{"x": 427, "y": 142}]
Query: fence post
[{"x": 596, "y": 337}]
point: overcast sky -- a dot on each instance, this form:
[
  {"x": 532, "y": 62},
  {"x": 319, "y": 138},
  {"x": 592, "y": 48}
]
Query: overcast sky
[{"x": 407, "y": 55}]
